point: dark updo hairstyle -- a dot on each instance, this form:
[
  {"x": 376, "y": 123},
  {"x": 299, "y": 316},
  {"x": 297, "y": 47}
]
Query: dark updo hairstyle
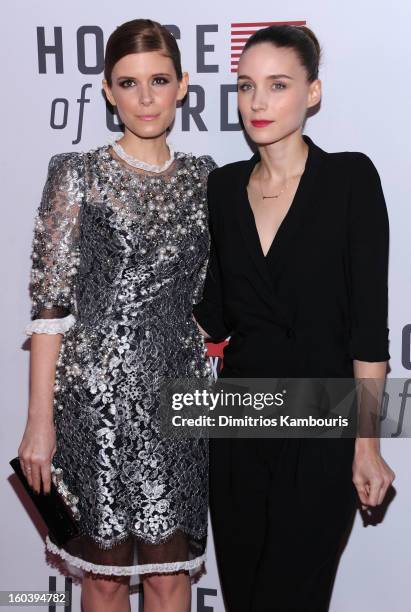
[
  {"x": 300, "y": 38},
  {"x": 140, "y": 36}
]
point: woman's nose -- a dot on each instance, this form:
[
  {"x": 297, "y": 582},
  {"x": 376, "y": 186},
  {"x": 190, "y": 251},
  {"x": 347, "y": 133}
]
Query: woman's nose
[
  {"x": 258, "y": 101},
  {"x": 146, "y": 96}
]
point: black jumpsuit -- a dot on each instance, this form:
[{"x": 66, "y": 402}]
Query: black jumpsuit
[{"x": 280, "y": 508}]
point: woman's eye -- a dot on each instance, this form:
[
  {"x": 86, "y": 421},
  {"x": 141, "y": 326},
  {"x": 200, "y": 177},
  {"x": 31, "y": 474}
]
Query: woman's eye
[
  {"x": 279, "y": 86},
  {"x": 160, "y": 81},
  {"x": 244, "y": 86},
  {"x": 127, "y": 83}
]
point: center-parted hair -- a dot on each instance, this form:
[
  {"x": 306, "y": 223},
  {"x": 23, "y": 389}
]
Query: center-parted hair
[
  {"x": 300, "y": 38},
  {"x": 140, "y": 36}
]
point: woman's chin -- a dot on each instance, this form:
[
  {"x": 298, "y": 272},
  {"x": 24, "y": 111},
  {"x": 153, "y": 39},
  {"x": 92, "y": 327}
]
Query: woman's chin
[
  {"x": 261, "y": 140},
  {"x": 148, "y": 131}
]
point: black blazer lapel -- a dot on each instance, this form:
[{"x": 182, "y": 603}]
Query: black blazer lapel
[
  {"x": 300, "y": 211},
  {"x": 248, "y": 229}
]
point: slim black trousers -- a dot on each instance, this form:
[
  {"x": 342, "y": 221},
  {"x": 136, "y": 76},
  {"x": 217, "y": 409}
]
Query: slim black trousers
[{"x": 281, "y": 510}]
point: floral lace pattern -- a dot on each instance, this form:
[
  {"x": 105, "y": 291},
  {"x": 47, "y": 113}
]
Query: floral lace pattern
[{"x": 125, "y": 254}]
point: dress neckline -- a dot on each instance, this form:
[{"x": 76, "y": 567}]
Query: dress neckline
[{"x": 116, "y": 162}]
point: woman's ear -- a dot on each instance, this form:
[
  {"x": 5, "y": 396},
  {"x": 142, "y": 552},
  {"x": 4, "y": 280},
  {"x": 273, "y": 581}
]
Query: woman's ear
[
  {"x": 182, "y": 87},
  {"x": 107, "y": 91},
  {"x": 314, "y": 94}
]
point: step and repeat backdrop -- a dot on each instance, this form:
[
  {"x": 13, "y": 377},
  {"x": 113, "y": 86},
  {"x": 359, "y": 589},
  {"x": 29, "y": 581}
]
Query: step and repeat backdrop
[{"x": 52, "y": 101}]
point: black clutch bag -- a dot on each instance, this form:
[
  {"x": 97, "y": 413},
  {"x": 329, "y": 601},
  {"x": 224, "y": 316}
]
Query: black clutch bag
[{"x": 55, "y": 511}]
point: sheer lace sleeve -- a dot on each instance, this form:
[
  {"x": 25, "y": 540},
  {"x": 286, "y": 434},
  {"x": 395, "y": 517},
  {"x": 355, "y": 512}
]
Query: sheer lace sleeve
[
  {"x": 205, "y": 165},
  {"x": 55, "y": 249},
  {"x": 209, "y": 311}
]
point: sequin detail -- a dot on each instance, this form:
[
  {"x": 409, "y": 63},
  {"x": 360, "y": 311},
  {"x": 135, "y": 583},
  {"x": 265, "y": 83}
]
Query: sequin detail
[
  {"x": 69, "y": 499},
  {"x": 125, "y": 253}
]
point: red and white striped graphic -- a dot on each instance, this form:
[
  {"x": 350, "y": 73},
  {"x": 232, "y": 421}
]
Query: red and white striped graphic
[{"x": 241, "y": 32}]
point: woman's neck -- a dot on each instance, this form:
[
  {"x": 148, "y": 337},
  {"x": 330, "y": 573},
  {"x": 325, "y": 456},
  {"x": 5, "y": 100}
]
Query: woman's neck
[
  {"x": 150, "y": 150},
  {"x": 283, "y": 159}
]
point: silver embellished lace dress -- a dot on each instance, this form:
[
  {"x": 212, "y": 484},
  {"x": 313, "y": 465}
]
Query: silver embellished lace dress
[{"x": 118, "y": 260}]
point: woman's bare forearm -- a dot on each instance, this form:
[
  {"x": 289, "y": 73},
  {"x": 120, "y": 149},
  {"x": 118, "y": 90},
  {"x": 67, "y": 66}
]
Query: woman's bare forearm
[
  {"x": 43, "y": 357},
  {"x": 372, "y": 375},
  {"x": 371, "y": 474}
]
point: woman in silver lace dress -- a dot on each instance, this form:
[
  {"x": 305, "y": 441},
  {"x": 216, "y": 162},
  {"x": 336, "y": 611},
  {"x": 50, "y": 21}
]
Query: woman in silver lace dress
[{"x": 119, "y": 256}]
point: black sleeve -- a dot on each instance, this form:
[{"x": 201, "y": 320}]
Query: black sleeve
[
  {"x": 209, "y": 311},
  {"x": 368, "y": 254}
]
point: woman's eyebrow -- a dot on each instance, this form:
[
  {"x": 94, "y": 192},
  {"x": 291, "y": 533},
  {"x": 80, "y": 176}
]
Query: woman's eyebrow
[
  {"x": 279, "y": 76},
  {"x": 157, "y": 74},
  {"x": 270, "y": 76}
]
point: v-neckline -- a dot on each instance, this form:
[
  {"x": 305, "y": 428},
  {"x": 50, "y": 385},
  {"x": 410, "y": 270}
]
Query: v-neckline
[
  {"x": 303, "y": 207},
  {"x": 288, "y": 214}
]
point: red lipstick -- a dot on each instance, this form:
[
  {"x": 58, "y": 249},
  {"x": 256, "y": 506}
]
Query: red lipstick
[{"x": 259, "y": 123}]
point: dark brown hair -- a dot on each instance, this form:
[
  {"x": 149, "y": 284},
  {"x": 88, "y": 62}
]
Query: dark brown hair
[
  {"x": 140, "y": 36},
  {"x": 300, "y": 38}
]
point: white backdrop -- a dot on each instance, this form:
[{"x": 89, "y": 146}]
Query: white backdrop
[{"x": 366, "y": 101}]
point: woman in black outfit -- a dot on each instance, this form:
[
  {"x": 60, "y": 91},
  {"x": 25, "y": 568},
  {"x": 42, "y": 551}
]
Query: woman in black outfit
[{"x": 298, "y": 278}]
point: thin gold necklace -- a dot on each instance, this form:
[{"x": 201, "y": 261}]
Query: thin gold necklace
[{"x": 277, "y": 195}]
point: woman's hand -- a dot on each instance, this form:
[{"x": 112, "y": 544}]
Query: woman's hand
[
  {"x": 36, "y": 451},
  {"x": 202, "y": 331},
  {"x": 38, "y": 444},
  {"x": 371, "y": 474}
]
